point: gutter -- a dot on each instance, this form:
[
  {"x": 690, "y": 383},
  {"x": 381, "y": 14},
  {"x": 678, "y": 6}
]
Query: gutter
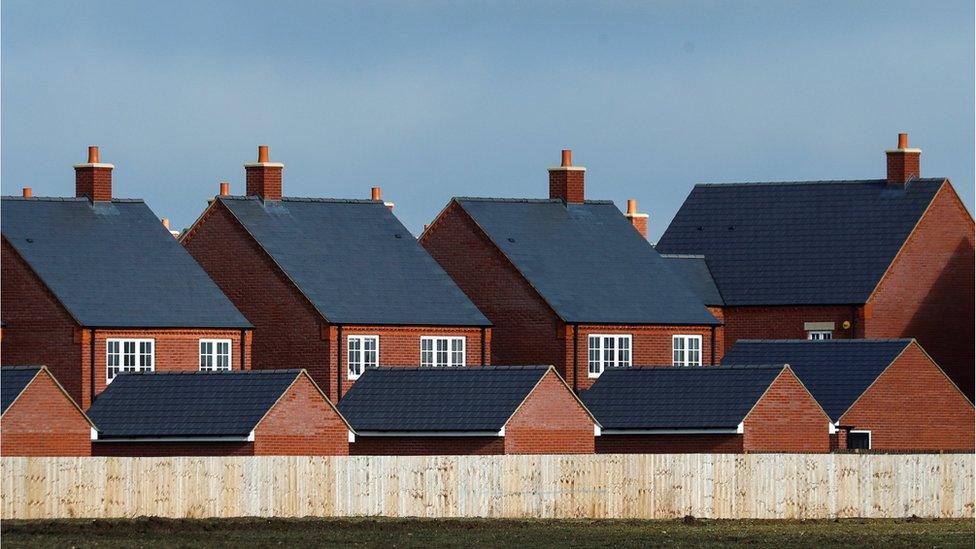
[
  {"x": 722, "y": 431},
  {"x": 498, "y": 433}
]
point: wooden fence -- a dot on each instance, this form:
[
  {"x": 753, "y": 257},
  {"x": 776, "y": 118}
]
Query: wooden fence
[{"x": 594, "y": 486}]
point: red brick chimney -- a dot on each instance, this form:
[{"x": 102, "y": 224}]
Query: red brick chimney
[
  {"x": 638, "y": 220},
  {"x": 224, "y": 188},
  {"x": 566, "y": 180},
  {"x": 903, "y": 163},
  {"x": 376, "y": 194},
  {"x": 93, "y": 180},
  {"x": 264, "y": 176}
]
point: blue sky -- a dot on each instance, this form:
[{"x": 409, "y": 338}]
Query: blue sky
[{"x": 434, "y": 99}]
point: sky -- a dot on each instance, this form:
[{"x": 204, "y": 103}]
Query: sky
[{"x": 431, "y": 100}]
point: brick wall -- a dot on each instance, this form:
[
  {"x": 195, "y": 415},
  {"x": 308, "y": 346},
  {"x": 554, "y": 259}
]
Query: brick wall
[
  {"x": 287, "y": 329},
  {"x": 550, "y": 421},
  {"x": 37, "y": 328},
  {"x": 175, "y": 350},
  {"x": 302, "y": 423},
  {"x": 426, "y": 446},
  {"x": 525, "y": 331},
  {"x": 44, "y": 422},
  {"x": 928, "y": 291},
  {"x": 786, "y": 322},
  {"x": 651, "y": 346},
  {"x": 786, "y": 419},
  {"x": 669, "y": 444},
  {"x": 912, "y": 406},
  {"x": 400, "y": 345}
]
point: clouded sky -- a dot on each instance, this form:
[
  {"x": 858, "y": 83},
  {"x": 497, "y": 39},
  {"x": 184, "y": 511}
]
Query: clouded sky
[{"x": 435, "y": 99}]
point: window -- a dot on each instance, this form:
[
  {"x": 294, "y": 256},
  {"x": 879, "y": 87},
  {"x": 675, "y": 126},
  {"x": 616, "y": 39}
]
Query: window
[
  {"x": 686, "y": 350},
  {"x": 214, "y": 355},
  {"x": 364, "y": 352},
  {"x": 128, "y": 355},
  {"x": 820, "y": 334},
  {"x": 607, "y": 351},
  {"x": 442, "y": 352},
  {"x": 859, "y": 440}
]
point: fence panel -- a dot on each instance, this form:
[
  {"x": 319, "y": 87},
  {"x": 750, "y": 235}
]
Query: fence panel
[{"x": 796, "y": 486}]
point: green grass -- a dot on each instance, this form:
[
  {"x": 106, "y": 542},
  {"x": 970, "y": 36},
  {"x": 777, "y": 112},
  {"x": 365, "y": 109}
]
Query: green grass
[{"x": 377, "y": 532}]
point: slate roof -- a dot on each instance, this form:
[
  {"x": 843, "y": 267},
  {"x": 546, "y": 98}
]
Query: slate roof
[
  {"x": 355, "y": 262},
  {"x": 587, "y": 261},
  {"x": 438, "y": 399},
  {"x": 187, "y": 404},
  {"x": 835, "y": 371},
  {"x": 651, "y": 398},
  {"x": 815, "y": 242},
  {"x": 693, "y": 270},
  {"x": 113, "y": 264},
  {"x": 13, "y": 381}
]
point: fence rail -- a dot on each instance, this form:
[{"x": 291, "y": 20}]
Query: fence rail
[{"x": 593, "y": 486}]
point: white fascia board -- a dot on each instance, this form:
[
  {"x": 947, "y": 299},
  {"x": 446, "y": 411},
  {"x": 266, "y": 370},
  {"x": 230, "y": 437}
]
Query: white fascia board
[
  {"x": 178, "y": 439},
  {"x": 831, "y": 428},
  {"x": 499, "y": 433},
  {"x": 741, "y": 428},
  {"x": 94, "y": 433},
  {"x": 596, "y": 430},
  {"x": 608, "y": 432},
  {"x": 352, "y": 436}
]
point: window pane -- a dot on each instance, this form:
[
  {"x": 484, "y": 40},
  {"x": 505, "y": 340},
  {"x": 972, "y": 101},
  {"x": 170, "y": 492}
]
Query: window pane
[
  {"x": 623, "y": 354},
  {"x": 609, "y": 360},
  {"x": 355, "y": 356},
  {"x": 594, "y": 355}
]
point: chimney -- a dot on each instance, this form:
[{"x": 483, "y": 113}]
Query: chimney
[
  {"x": 264, "y": 176},
  {"x": 566, "y": 180},
  {"x": 28, "y": 192},
  {"x": 638, "y": 220},
  {"x": 224, "y": 188},
  {"x": 376, "y": 194},
  {"x": 93, "y": 180},
  {"x": 903, "y": 163}
]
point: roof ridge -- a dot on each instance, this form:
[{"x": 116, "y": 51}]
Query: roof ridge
[
  {"x": 829, "y": 341},
  {"x": 683, "y": 256},
  {"x": 305, "y": 199},
  {"x": 21, "y": 367},
  {"x": 526, "y": 200},
  {"x": 461, "y": 369},
  {"x": 809, "y": 182},
  {"x": 65, "y": 199},
  {"x": 670, "y": 368},
  {"x": 199, "y": 373}
]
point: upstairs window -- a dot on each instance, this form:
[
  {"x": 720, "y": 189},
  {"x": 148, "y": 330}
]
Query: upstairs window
[
  {"x": 128, "y": 355},
  {"x": 442, "y": 352},
  {"x": 608, "y": 351},
  {"x": 364, "y": 352},
  {"x": 214, "y": 355},
  {"x": 820, "y": 335},
  {"x": 686, "y": 350}
]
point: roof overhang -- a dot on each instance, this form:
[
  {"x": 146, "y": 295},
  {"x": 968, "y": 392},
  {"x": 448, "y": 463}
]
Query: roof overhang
[
  {"x": 136, "y": 439},
  {"x": 498, "y": 433},
  {"x": 738, "y": 430}
]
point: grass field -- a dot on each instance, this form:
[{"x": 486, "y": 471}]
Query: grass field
[{"x": 253, "y": 532}]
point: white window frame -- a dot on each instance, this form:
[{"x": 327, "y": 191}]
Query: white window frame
[
  {"x": 138, "y": 354},
  {"x": 860, "y": 431},
  {"x": 213, "y": 355},
  {"x": 361, "y": 351},
  {"x": 601, "y": 357},
  {"x": 431, "y": 358},
  {"x": 818, "y": 335},
  {"x": 685, "y": 350}
]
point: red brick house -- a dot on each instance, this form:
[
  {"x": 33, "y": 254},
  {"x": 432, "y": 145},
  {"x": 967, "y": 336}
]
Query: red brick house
[
  {"x": 333, "y": 286},
  {"x": 706, "y": 410},
  {"x": 884, "y": 258},
  {"x": 95, "y": 285},
  {"x": 491, "y": 410},
  {"x": 569, "y": 282},
  {"x": 880, "y": 394},
  {"x": 38, "y": 417},
  {"x": 238, "y": 413}
]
